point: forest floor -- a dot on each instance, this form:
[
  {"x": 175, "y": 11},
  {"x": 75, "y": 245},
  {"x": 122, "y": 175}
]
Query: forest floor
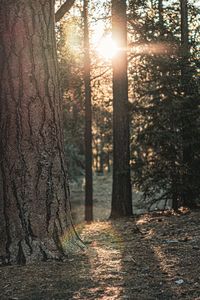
[{"x": 152, "y": 256}]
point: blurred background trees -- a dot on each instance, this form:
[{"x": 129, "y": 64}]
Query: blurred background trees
[
  {"x": 166, "y": 102},
  {"x": 163, "y": 73}
]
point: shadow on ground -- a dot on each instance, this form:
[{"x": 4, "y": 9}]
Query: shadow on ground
[
  {"x": 152, "y": 257},
  {"x": 157, "y": 259}
]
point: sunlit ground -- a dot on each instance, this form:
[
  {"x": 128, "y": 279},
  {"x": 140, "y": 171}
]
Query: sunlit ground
[
  {"x": 105, "y": 259},
  {"x": 159, "y": 262}
]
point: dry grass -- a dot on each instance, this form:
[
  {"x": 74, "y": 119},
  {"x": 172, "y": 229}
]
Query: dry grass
[
  {"x": 159, "y": 261},
  {"x": 162, "y": 262}
]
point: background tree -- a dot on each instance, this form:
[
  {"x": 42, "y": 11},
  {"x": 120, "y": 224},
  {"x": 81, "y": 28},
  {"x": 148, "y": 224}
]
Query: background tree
[
  {"x": 190, "y": 115},
  {"x": 34, "y": 206},
  {"x": 160, "y": 136},
  {"x": 88, "y": 119},
  {"x": 160, "y": 112},
  {"x": 121, "y": 189},
  {"x": 70, "y": 58},
  {"x": 101, "y": 74},
  {"x": 63, "y": 9}
]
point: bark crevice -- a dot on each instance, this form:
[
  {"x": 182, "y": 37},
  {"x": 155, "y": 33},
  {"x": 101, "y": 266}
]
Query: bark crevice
[{"x": 35, "y": 213}]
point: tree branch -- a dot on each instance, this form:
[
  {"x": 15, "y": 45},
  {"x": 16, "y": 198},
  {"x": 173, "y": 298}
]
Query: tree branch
[
  {"x": 101, "y": 74},
  {"x": 63, "y": 9}
]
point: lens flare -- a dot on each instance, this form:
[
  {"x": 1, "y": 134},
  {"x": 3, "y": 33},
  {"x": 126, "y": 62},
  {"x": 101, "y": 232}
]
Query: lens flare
[{"x": 107, "y": 47}]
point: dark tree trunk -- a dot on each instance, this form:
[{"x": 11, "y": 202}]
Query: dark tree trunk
[
  {"x": 185, "y": 49},
  {"x": 34, "y": 198},
  {"x": 101, "y": 162},
  {"x": 100, "y": 156},
  {"x": 175, "y": 202},
  {"x": 161, "y": 19},
  {"x": 121, "y": 192},
  {"x": 88, "y": 121},
  {"x": 186, "y": 79},
  {"x": 175, "y": 195},
  {"x": 65, "y": 7},
  {"x": 184, "y": 29}
]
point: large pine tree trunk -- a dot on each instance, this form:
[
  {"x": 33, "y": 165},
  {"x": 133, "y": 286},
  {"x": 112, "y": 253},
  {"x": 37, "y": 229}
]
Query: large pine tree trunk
[
  {"x": 34, "y": 204},
  {"x": 121, "y": 193}
]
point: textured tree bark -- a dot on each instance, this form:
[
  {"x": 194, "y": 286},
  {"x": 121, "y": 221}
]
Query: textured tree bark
[
  {"x": 121, "y": 191},
  {"x": 34, "y": 199}
]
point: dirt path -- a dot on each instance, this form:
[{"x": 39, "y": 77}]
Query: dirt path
[{"x": 161, "y": 261}]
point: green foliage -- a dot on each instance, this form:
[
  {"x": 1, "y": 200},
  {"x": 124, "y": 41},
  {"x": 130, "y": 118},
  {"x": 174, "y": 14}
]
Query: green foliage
[
  {"x": 165, "y": 112},
  {"x": 70, "y": 66},
  {"x": 70, "y": 52},
  {"x": 165, "y": 126},
  {"x": 74, "y": 136}
]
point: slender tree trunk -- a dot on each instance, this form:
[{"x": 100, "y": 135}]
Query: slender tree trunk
[
  {"x": 88, "y": 121},
  {"x": 186, "y": 78},
  {"x": 101, "y": 159},
  {"x": 184, "y": 29},
  {"x": 65, "y": 7},
  {"x": 121, "y": 191},
  {"x": 175, "y": 202},
  {"x": 161, "y": 19},
  {"x": 34, "y": 198},
  {"x": 185, "y": 49}
]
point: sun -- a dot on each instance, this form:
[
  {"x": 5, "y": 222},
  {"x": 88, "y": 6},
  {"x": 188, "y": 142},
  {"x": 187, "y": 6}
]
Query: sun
[{"x": 107, "y": 47}]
